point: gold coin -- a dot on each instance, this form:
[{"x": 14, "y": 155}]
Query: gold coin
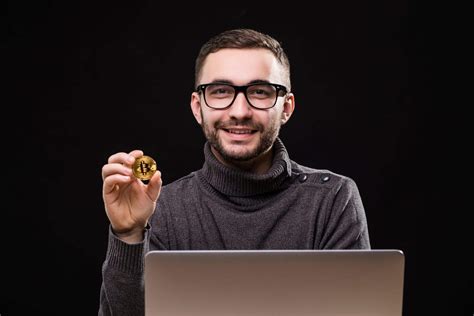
[{"x": 144, "y": 168}]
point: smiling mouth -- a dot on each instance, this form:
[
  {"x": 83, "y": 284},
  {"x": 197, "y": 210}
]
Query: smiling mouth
[{"x": 239, "y": 131}]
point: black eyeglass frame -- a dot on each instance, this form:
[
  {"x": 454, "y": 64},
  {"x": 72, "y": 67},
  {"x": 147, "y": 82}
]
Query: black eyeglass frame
[{"x": 278, "y": 87}]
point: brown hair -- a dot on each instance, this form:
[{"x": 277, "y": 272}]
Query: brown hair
[{"x": 241, "y": 38}]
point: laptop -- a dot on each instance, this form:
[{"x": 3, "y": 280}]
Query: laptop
[{"x": 274, "y": 282}]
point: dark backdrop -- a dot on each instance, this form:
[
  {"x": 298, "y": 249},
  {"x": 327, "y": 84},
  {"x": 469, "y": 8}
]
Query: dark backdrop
[{"x": 85, "y": 80}]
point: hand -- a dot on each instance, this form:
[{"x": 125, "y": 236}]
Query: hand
[{"x": 129, "y": 203}]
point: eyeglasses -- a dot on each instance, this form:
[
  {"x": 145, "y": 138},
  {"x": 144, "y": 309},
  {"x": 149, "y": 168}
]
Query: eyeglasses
[{"x": 259, "y": 95}]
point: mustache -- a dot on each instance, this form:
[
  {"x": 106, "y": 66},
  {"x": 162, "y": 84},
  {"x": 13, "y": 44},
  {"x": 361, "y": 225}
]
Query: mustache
[{"x": 237, "y": 123}]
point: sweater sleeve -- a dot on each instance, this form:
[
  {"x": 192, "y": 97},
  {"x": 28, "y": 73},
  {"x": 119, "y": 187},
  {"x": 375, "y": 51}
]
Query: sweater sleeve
[
  {"x": 346, "y": 225},
  {"x": 122, "y": 289}
]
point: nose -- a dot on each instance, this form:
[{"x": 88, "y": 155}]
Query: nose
[{"x": 240, "y": 109}]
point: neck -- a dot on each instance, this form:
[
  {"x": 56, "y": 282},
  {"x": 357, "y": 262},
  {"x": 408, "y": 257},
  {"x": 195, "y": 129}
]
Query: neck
[
  {"x": 229, "y": 179},
  {"x": 257, "y": 165}
]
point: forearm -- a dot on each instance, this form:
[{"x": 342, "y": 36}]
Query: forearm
[
  {"x": 121, "y": 293},
  {"x": 122, "y": 290}
]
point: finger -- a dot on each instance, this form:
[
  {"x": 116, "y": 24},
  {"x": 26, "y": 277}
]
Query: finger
[
  {"x": 115, "y": 168},
  {"x": 114, "y": 182},
  {"x": 124, "y": 158},
  {"x": 154, "y": 186},
  {"x": 136, "y": 153},
  {"x": 121, "y": 157}
]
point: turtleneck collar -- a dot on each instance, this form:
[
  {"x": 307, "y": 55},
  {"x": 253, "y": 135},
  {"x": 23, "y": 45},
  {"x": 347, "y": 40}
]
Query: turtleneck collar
[{"x": 234, "y": 182}]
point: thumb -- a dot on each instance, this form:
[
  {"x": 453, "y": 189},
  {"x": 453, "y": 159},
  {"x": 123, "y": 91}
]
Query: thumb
[{"x": 154, "y": 186}]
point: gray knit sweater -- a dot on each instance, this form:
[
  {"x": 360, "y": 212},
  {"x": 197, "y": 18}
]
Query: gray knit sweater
[{"x": 289, "y": 207}]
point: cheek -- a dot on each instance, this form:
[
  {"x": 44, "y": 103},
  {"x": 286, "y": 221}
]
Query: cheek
[
  {"x": 209, "y": 118},
  {"x": 271, "y": 119}
]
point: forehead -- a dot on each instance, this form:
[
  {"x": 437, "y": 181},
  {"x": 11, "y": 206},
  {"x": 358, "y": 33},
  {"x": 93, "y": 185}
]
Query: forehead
[{"x": 241, "y": 66}]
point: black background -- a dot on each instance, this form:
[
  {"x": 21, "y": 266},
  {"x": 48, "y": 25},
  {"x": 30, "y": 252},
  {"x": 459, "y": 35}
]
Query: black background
[{"x": 85, "y": 80}]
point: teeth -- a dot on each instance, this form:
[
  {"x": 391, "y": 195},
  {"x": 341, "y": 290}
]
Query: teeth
[{"x": 239, "y": 131}]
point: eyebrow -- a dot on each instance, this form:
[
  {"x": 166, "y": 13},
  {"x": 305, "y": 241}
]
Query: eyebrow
[{"x": 226, "y": 81}]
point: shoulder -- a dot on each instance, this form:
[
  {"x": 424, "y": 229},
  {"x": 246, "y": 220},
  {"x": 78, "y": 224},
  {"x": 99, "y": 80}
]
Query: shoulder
[
  {"x": 177, "y": 186},
  {"x": 323, "y": 177}
]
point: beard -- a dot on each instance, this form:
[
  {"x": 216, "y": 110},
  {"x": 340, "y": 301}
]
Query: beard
[{"x": 267, "y": 138}]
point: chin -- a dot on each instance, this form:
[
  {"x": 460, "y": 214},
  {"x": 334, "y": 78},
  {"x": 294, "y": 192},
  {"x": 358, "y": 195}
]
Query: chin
[{"x": 238, "y": 152}]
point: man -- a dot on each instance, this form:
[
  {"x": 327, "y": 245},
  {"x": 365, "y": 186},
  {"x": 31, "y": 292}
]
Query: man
[{"x": 248, "y": 194}]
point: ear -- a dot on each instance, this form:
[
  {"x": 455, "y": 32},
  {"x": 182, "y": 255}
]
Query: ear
[
  {"x": 288, "y": 108},
  {"x": 196, "y": 106}
]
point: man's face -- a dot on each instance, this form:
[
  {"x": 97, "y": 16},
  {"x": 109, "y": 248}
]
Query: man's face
[{"x": 241, "y": 132}]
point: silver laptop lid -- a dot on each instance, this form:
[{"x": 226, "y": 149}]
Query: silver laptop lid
[{"x": 274, "y": 282}]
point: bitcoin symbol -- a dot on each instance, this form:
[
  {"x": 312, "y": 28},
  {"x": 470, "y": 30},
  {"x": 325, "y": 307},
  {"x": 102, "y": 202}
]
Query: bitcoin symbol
[{"x": 144, "y": 168}]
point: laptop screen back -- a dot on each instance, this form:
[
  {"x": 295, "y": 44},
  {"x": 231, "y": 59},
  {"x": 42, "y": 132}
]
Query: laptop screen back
[{"x": 274, "y": 282}]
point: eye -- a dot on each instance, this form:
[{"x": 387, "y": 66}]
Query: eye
[
  {"x": 261, "y": 91},
  {"x": 220, "y": 90}
]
